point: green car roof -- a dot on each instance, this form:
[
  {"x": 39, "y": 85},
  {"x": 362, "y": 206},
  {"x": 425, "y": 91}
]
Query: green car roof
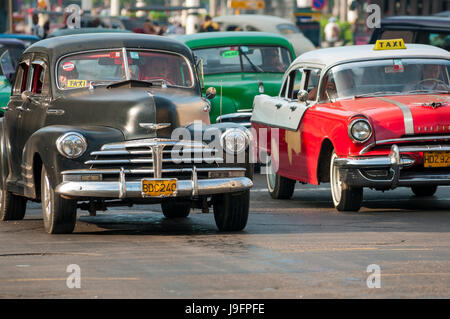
[{"x": 215, "y": 39}]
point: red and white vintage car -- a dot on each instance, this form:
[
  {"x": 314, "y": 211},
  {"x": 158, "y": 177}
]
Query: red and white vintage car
[{"x": 358, "y": 116}]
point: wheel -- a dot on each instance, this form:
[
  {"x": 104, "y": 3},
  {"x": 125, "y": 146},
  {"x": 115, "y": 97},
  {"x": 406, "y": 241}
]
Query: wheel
[
  {"x": 345, "y": 198},
  {"x": 12, "y": 207},
  {"x": 175, "y": 210},
  {"x": 59, "y": 214},
  {"x": 279, "y": 187},
  {"x": 422, "y": 191},
  {"x": 231, "y": 210}
]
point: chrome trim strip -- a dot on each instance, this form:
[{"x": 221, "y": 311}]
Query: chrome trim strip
[
  {"x": 184, "y": 188},
  {"x": 181, "y": 159},
  {"x": 433, "y": 138},
  {"x": 407, "y": 115},
  {"x": 241, "y": 115},
  {"x": 425, "y": 148}
]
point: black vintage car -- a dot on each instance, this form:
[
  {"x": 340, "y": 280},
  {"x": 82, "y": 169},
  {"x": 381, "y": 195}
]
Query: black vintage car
[
  {"x": 100, "y": 120},
  {"x": 433, "y": 30}
]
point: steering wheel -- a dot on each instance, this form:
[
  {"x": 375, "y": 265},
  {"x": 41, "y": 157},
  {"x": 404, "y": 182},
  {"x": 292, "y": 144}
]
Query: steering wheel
[
  {"x": 432, "y": 80},
  {"x": 168, "y": 81}
]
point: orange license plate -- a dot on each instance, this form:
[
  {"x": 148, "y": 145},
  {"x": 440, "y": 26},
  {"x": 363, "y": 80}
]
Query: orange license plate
[
  {"x": 436, "y": 159},
  {"x": 159, "y": 187}
]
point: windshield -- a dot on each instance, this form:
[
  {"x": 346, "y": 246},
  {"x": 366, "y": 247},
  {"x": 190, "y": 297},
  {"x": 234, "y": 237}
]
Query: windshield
[
  {"x": 384, "y": 77},
  {"x": 9, "y": 56},
  {"x": 287, "y": 28},
  {"x": 236, "y": 59},
  {"x": 100, "y": 67}
]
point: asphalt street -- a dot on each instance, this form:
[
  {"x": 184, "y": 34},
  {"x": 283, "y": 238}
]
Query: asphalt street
[{"x": 298, "y": 248}]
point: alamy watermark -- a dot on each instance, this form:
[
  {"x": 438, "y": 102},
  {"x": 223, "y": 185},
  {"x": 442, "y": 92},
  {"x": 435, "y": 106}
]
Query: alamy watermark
[
  {"x": 74, "y": 279},
  {"x": 374, "y": 279},
  {"x": 374, "y": 18}
]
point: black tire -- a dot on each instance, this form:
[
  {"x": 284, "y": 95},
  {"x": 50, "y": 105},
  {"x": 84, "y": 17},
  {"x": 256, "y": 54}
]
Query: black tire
[
  {"x": 279, "y": 187},
  {"x": 231, "y": 210},
  {"x": 59, "y": 214},
  {"x": 423, "y": 191},
  {"x": 175, "y": 210},
  {"x": 345, "y": 198},
  {"x": 12, "y": 207}
]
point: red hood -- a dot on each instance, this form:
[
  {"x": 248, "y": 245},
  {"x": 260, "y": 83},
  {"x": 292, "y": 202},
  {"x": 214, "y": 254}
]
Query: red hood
[{"x": 388, "y": 114}]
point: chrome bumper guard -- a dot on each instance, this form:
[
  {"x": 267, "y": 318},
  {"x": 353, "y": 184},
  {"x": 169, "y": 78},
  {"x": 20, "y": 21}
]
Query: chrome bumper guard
[
  {"x": 132, "y": 189},
  {"x": 242, "y": 118},
  {"x": 351, "y": 169}
]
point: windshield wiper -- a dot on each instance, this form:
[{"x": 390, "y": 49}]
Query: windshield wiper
[
  {"x": 254, "y": 67},
  {"x": 376, "y": 93}
]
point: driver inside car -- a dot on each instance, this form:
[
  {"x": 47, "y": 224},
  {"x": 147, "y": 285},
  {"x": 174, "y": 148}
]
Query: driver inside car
[
  {"x": 158, "y": 68},
  {"x": 431, "y": 79}
]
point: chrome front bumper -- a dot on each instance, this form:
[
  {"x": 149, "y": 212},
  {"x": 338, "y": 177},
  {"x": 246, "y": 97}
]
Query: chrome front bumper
[
  {"x": 356, "y": 171},
  {"x": 132, "y": 189}
]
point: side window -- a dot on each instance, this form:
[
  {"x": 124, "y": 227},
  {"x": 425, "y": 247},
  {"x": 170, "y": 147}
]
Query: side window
[
  {"x": 21, "y": 82},
  {"x": 40, "y": 84},
  {"x": 312, "y": 83},
  {"x": 295, "y": 81}
]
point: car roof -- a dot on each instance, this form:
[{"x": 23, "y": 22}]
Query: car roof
[
  {"x": 19, "y": 36},
  {"x": 12, "y": 42},
  {"x": 214, "y": 39},
  {"x": 337, "y": 55},
  {"x": 417, "y": 21},
  {"x": 264, "y": 22},
  {"x": 58, "y": 46},
  {"x": 61, "y": 32}
]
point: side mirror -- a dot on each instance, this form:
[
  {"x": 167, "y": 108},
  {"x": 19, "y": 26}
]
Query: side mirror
[
  {"x": 26, "y": 95},
  {"x": 211, "y": 93},
  {"x": 302, "y": 96},
  {"x": 201, "y": 76}
]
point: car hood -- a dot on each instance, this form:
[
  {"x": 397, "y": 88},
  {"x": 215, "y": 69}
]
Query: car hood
[
  {"x": 241, "y": 88},
  {"x": 396, "y": 116},
  {"x": 126, "y": 108}
]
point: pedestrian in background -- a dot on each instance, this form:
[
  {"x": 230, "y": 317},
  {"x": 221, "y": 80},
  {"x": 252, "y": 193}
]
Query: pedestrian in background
[
  {"x": 36, "y": 28},
  {"x": 209, "y": 25},
  {"x": 332, "y": 32}
]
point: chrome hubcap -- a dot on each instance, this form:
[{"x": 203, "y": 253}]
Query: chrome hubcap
[
  {"x": 270, "y": 174},
  {"x": 46, "y": 204},
  {"x": 336, "y": 184}
]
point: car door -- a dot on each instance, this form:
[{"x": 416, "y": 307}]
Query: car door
[
  {"x": 13, "y": 116},
  {"x": 33, "y": 109}
]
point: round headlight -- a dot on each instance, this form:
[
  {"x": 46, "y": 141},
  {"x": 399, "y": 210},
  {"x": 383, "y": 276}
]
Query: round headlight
[
  {"x": 360, "y": 130},
  {"x": 234, "y": 141},
  {"x": 71, "y": 145}
]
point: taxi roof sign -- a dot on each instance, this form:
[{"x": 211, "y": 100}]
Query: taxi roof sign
[{"x": 391, "y": 44}]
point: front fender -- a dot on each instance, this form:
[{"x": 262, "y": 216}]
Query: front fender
[{"x": 43, "y": 144}]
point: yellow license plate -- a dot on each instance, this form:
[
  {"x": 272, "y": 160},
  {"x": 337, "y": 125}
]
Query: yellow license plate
[
  {"x": 159, "y": 187},
  {"x": 436, "y": 159}
]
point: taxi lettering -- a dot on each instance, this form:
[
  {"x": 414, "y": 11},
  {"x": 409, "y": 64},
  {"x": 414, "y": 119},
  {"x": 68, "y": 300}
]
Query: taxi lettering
[
  {"x": 392, "y": 44},
  {"x": 77, "y": 83}
]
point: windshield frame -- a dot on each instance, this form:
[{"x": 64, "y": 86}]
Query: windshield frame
[
  {"x": 327, "y": 71},
  {"x": 124, "y": 51}
]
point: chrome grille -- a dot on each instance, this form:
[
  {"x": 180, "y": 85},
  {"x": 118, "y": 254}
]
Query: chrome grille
[{"x": 155, "y": 158}]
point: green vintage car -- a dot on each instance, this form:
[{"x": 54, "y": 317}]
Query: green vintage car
[
  {"x": 10, "y": 51},
  {"x": 240, "y": 65}
]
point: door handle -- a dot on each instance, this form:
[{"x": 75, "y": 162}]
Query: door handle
[
  {"x": 22, "y": 109},
  {"x": 293, "y": 108},
  {"x": 278, "y": 105}
]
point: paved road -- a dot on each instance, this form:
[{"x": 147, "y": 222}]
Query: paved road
[{"x": 298, "y": 248}]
